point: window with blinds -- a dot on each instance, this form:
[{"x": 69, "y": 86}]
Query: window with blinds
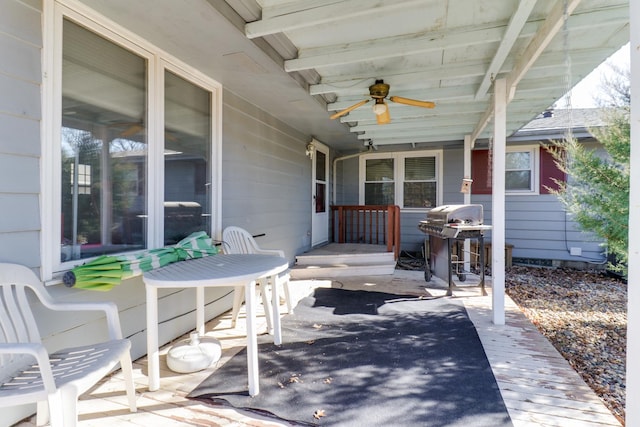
[
  {"x": 419, "y": 187},
  {"x": 410, "y": 180},
  {"x": 379, "y": 187}
]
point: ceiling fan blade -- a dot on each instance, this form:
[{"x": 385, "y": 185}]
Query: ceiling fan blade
[
  {"x": 132, "y": 130},
  {"x": 413, "y": 102},
  {"x": 385, "y": 117},
  {"x": 349, "y": 109}
]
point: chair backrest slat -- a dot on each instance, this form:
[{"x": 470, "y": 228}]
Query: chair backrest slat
[
  {"x": 238, "y": 241},
  {"x": 16, "y": 317}
]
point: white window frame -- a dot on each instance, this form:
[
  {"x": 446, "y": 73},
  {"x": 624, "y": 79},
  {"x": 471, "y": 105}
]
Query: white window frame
[
  {"x": 534, "y": 151},
  {"x": 158, "y": 62},
  {"x": 398, "y": 172}
]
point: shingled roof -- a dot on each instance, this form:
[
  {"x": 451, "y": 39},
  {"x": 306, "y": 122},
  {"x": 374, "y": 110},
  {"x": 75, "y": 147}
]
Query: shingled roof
[{"x": 554, "y": 124}]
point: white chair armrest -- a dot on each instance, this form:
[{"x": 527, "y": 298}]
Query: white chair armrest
[
  {"x": 277, "y": 252},
  {"x": 110, "y": 309},
  {"x": 39, "y": 352}
]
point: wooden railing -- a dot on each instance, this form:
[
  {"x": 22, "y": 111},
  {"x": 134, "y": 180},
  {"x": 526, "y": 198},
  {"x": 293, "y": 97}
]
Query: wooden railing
[{"x": 371, "y": 224}]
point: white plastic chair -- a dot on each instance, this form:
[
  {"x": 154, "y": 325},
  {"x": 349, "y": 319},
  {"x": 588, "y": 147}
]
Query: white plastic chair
[
  {"x": 237, "y": 240},
  {"x": 28, "y": 374}
]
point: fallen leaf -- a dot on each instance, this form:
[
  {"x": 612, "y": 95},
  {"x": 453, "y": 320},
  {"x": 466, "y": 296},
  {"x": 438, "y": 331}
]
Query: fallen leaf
[
  {"x": 315, "y": 325},
  {"x": 318, "y": 414},
  {"x": 311, "y": 342},
  {"x": 295, "y": 378}
]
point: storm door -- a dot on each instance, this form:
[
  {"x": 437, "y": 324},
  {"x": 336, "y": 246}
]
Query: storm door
[{"x": 320, "y": 195}]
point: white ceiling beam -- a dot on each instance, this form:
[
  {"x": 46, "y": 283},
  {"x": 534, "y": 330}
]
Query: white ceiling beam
[
  {"x": 406, "y": 45},
  {"x": 358, "y": 84},
  {"x": 516, "y": 23},
  {"x": 400, "y": 125},
  {"x": 538, "y": 84},
  {"x": 311, "y": 13},
  {"x": 276, "y": 8},
  {"x": 546, "y": 60},
  {"x": 451, "y": 94},
  {"x": 425, "y": 77},
  {"x": 551, "y": 26},
  {"x": 391, "y": 47},
  {"x": 440, "y": 138},
  {"x": 382, "y": 132},
  {"x": 408, "y": 112},
  {"x": 443, "y": 137}
]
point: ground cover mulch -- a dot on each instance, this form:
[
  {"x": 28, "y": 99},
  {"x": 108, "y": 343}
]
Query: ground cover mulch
[{"x": 584, "y": 315}]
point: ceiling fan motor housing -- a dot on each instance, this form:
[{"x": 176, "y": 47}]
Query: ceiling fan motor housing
[{"x": 379, "y": 89}]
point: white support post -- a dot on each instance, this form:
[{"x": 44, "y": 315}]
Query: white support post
[
  {"x": 466, "y": 170},
  {"x": 633, "y": 298},
  {"x": 498, "y": 199}
]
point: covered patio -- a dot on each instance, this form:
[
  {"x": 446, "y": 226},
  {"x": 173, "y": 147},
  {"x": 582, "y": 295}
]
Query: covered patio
[
  {"x": 537, "y": 384},
  {"x": 296, "y": 76}
]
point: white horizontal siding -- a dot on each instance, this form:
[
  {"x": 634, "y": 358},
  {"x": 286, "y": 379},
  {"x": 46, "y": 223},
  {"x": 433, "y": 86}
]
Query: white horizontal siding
[
  {"x": 266, "y": 178},
  {"x": 20, "y": 135},
  {"x": 453, "y": 166},
  {"x": 266, "y": 188},
  {"x": 21, "y": 20},
  {"x": 347, "y": 185},
  {"x": 19, "y": 174},
  {"x": 536, "y": 225},
  {"x": 176, "y": 308},
  {"x": 19, "y": 98},
  {"x": 539, "y": 228},
  {"x": 20, "y": 113},
  {"x": 17, "y": 213},
  {"x": 25, "y": 59}
]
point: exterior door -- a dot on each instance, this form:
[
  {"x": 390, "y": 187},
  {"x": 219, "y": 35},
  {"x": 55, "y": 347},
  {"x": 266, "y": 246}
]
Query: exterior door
[{"x": 320, "y": 195}]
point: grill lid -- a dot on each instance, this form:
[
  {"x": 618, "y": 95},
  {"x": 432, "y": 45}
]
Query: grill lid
[{"x": 459, "y": 214}]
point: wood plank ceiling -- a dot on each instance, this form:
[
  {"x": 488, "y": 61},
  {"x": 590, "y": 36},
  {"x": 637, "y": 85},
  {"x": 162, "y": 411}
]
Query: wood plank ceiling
[{"x": 445, "y": 51}]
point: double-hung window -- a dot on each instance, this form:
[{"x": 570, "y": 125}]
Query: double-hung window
[
  {"x": 529, "y": 170},
  {"x": 410, "y": 180},
  {"x": 134, "y": 147},
  {"x": 521, "y": 169}
]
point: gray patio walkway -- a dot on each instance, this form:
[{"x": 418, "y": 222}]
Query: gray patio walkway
[{"x": 537, "y": 384}]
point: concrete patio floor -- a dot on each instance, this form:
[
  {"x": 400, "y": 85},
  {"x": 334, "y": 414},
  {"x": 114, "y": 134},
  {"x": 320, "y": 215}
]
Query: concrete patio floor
[{"x": 538, "y": 385}]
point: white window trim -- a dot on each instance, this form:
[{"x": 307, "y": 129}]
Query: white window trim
[
  {"x": 534, "y": 150},
  {"x": 398, "y": 178},
  {"x": 158, "y": 62}
]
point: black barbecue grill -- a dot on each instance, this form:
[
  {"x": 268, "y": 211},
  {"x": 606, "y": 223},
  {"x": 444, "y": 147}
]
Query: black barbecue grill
[{"x": 448, "y": 226}]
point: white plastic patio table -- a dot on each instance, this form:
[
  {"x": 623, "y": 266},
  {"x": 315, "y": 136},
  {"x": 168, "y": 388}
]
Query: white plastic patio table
[{"x": 216, "y": 270}]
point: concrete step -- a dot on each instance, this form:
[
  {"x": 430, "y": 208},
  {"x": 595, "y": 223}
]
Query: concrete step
[
  {"x": 321, "y": 271},
  {"x": 350, "y": 259},
  {"x": 343, "y": 260}
]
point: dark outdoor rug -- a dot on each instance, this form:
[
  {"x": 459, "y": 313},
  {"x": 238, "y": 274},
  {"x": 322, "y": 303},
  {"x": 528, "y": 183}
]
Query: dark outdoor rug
[{"x": 368, "y": 359}]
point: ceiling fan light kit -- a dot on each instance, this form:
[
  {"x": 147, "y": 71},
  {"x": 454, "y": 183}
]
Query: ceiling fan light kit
[
  {"x": 379, "y": 107},
  {"x": 379, "y": 92}
]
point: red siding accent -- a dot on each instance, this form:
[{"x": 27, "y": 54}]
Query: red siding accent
[
  {"x": 481, "y": 175},
  {"x": 480, "y": 172},
  {"x": 548, "y": 172}
]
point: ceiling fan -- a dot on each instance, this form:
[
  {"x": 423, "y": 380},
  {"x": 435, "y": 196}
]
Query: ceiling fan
[
  {"x": 136, "y": 128},
  {"x": 379, "y": 91}
]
